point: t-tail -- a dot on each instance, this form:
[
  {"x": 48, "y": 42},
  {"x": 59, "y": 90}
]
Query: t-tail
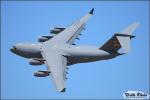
[{"x": 120, "y": 40}]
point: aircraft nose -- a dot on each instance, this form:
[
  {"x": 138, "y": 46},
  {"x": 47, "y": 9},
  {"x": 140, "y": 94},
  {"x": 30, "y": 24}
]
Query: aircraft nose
[{"x": 13, "y": 48}]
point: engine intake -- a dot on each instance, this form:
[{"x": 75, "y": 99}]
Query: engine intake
[
  {"x": 35, "y": 62},
  {"x": 44, "y": 38},
  {"x": 41, "y": 73},
  {"x": 57, "y": 30}
]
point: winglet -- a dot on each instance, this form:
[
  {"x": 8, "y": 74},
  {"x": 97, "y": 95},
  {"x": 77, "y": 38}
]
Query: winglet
[
  {"x": 63, "y": 90},
  {"x": 91, "y": 11}
]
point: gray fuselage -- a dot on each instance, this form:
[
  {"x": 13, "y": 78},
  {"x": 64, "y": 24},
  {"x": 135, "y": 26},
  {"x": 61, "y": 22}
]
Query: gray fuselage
[{"x": 74, "y": 54}]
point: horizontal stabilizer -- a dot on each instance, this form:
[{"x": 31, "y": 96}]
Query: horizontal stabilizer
[
  {"x": 130, "y": 29},
  {"x": 120, "y": 40},
  {"x": 125, "y": 35}
]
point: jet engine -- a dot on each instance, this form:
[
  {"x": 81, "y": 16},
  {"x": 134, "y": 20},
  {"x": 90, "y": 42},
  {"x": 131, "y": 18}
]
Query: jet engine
[
  {"x": 35, "y": 62},
  {"x": 57, "y": 30},
  {"x": 44, "y": 38},
  {"x": 41, "y": 73}
]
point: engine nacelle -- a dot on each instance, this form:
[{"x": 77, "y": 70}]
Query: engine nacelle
[
  {"x": 41, "y": 73},
  {"x": 44, "y": 38},
  {"x": 35, "y": 62},
  {"x": 57, "y": 30}
]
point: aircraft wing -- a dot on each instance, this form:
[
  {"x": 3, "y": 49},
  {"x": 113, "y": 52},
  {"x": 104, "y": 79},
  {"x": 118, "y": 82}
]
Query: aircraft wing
[
  {"x": 71, "y": 33},
  {"x": 56, "y": 64}
]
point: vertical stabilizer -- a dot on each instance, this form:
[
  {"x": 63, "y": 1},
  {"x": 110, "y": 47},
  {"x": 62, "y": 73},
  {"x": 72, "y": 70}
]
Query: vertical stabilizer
[{"x": 120, "y": 40}]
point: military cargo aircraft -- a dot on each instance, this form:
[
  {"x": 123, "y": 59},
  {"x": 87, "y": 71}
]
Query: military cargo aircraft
[{"x": 58, "y": 50}]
